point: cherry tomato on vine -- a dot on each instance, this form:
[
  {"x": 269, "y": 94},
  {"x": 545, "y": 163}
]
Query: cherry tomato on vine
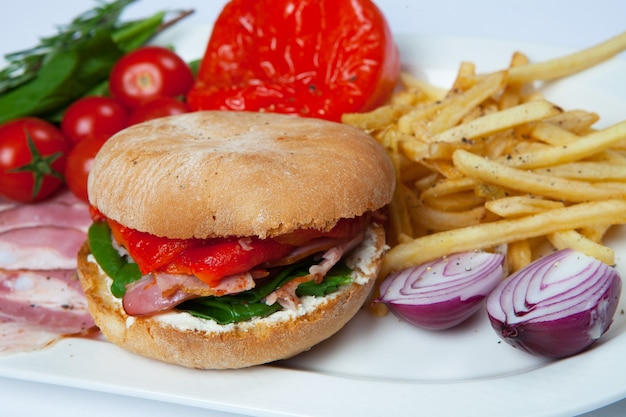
[
  {"x": 32, "y": 159},
  {"x": 159, "y": 107},
  {"x": 316, "y": 58},
  {"x": 92, "y": 117},
  {"x": 79, "y": 162},
  {"x": 147, "y": 73}
]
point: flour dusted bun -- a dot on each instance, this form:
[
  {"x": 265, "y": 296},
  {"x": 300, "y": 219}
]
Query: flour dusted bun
[
  {"x": 218, "y": 173},
  {"x": 178, "y": 338}
]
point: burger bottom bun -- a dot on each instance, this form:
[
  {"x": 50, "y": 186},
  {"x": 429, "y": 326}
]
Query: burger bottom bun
[{"x": 179, "y": 338}]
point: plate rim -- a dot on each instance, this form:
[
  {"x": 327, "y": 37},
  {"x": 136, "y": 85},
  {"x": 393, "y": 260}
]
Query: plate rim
[{"x": 396, "y": 395}]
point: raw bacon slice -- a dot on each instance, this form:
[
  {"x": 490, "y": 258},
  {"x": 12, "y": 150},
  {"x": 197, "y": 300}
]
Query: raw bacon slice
[
  {"x": 40, "y": 248},
  {"x": 39, "y": 307},
  {"x": 41, "y": 299},
  {"x": 64, "y": 210},
  {"x": 52, "y": 300},
  {"x": 46, "y": 235},
  {"x": 24, "y": 337}
]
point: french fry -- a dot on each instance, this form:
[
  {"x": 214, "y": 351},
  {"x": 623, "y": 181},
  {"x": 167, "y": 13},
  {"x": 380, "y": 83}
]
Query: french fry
[
  {"x": 512, "y": 93},
  {"x": 432, "y": 92},
  {"x": 462, "y": 201},
  {"x": 432, "y": 219},
  {"x": 415, "y": 149},
  {"x": 518, "y": 255},
  {"x": 595, "y": 233},
  {"x": 518, "y": 206},
  {"x": 447, "y": 187},
  {"x": 488, "y": 235},
  {"x": 426, "y": 182},
  {"x": 497, "y": 122},
  {"x": 400, "y": 221},
  {"x": 376, "y": 119},
  {"x": 574, "y": 240},
  {"x": 444, "y": 150},
  {"x": 570, "y": 64},
  {"x": 584, "y": 147},
  {"x": 490, "y": 192},
  {"x": 612, "y": 156},
  {"x": 575, "y": 121},
  {"x": 465, "y": 78},
  {"x": 552, "y": 134},
  {"x": 418, "y": 115},
  {"x": 457, "y": 106},
  {"x": 587, "y": 171},
  {"x": 530, "y": 183}
]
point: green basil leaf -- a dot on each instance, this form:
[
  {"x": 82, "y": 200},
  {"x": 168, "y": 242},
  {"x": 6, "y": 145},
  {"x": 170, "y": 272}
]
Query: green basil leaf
[
  {"x": 128, "y": 273},
  {"x": 132, "y": 35},
  {"x": 115, "y": 266},
  {"x": 99, "y": 237},
  {"x": 34, "y": 97},
  {"x": 64, "y": 77}
]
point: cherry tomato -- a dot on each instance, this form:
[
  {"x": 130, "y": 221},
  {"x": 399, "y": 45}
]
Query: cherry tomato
[
  {"x": 32, "y": 159},
  {"x": 159, "y": 107},
  {"x": 317, "y": 58},
  {"x": 92, "y": 117},
  {"x": 147, "y": 73},
  {"x": 79, "y": 162}
]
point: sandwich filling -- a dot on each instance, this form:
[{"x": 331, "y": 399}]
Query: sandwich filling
[{"x": 228, "y": 279}]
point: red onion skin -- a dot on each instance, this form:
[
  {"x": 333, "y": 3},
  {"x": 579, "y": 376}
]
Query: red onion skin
[
  {"x": 443, "y": 307},
  {"x": 554, "y": 341},
  {"x": 564, "y": 336},
  {"x": 438, "y": 316}
]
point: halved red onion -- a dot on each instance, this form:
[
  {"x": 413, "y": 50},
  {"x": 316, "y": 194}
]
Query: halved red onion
[
  {"x": 557, "y": 306},
  {"x": 443, "y": 293}
]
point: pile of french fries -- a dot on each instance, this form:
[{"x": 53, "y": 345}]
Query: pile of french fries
[{"x": 491, "y": 164}]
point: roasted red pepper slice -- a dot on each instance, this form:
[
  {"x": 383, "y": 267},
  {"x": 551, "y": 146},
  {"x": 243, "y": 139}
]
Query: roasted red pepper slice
[
  {"x": 213, "y": 259},
  {"x": 150, "y": 252},
  {"x": 211, "y": 263},
  {"x": 317, "y": 58}
]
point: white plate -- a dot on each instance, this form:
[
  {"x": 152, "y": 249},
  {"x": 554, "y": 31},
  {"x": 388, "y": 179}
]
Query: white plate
[{"x": 382, "y": 366}]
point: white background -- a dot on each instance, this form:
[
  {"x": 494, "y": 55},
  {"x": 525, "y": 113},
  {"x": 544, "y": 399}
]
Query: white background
[{"x": 567, "y": 23}]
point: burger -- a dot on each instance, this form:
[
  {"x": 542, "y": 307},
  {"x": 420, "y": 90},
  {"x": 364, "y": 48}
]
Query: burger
[{"x": 230, "y": 239}]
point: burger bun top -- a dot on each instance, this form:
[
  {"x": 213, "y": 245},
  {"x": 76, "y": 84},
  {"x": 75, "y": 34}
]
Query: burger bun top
[{"x": 226, "y": 173}]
